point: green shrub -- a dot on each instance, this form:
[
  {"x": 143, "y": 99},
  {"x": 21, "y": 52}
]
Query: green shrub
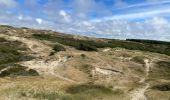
[
  {"x": 58, "y": 48},
  {"x": 83, "y": 56},
  {"x": 86, "y": 47}
]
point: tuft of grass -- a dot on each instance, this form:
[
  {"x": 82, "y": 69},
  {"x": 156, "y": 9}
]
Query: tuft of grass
[
  {"x": 161, "y": 70},
  {"x": 86, "y": 68},
  {"x": 138, "y": 59},
  {"x": 44, "y": 95},
  {"x": 89, "y": 89}
]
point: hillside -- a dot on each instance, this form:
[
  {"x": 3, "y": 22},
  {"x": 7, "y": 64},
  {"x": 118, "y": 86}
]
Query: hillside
[{"x": 47, "y": 65}]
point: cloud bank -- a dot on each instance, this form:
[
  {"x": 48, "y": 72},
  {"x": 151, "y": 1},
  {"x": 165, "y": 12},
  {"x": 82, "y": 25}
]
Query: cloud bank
[{"x": 98, "y": 18}]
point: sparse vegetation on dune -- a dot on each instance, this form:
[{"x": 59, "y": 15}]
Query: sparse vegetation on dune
[
  {"x": 58, "y": 48},
  {"x": 9, "y": 55},
  {"x": 81, "y": 45},
  {"x": 73, "y": 92},
  {"x": 91, "y": 45},
  {"x": 89, "y": 89},
  {"x": 45, "y": 65},
  {"x": 86, "y": 68},
  {"x": 149, "y": 41},
  {"x": 18, "y": 70},
  {"x": 150, "y": 47},
  {"x": 161, "y": 70},
  {"x": 9, "y": 51},
  {"x": 138, "y": 59}
]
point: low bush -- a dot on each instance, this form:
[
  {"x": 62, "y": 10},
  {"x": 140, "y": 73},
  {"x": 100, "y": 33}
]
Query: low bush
[
  {"x": 86, "y": 47},
  {"x": 83, "y": 56},
  {"x": 58, "y": 48}
]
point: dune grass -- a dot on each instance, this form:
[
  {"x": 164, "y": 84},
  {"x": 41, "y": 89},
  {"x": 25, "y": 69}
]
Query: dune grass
[
  {"x": 161, "y": 70},
  {"x": 9, "y": 55}
]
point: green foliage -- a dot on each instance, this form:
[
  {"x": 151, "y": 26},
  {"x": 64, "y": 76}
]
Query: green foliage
[
  {"x": 83, "y": 56},
  {"x": 86, "y": 47},
  {"x": 78, "y": 44},
  {"x": 9, "y": 55},
  {"x": 149, "y": 41},
  {"x": 90, "y": 45},
  {"x": 9, "y": 51},
  {"x": 157, "y": 48},
  {"x": 58, "y": 48}
]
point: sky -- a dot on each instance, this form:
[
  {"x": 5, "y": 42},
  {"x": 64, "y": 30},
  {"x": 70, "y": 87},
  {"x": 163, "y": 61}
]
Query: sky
[{"x": 118, "y": 19}]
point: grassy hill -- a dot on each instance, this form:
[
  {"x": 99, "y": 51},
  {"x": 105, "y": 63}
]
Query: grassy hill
[{"x": 48, "y": 65}]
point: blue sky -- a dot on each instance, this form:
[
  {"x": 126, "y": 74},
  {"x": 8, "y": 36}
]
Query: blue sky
[{"x": 146, "y": 19}]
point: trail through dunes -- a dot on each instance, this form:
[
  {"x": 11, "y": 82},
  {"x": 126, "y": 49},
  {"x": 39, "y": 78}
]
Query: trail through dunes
[{"x": 139, "y": 94}]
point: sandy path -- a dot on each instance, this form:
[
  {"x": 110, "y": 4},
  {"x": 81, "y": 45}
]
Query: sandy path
[{"x": 139, "y": 94}]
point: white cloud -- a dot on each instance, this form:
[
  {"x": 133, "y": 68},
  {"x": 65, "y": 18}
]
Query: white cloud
[
  {"x": 145, "y": 4},
  {"x": 39, "y": 20},
  {"x": 20, "y": 17},
  {"x": 59, "y": 18},
  {"x": 155, "y": 28},
  {"x": 147, "y": 13},
  {"x": 8, "y": 3},
  {"x": 65, "y": 16}
]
